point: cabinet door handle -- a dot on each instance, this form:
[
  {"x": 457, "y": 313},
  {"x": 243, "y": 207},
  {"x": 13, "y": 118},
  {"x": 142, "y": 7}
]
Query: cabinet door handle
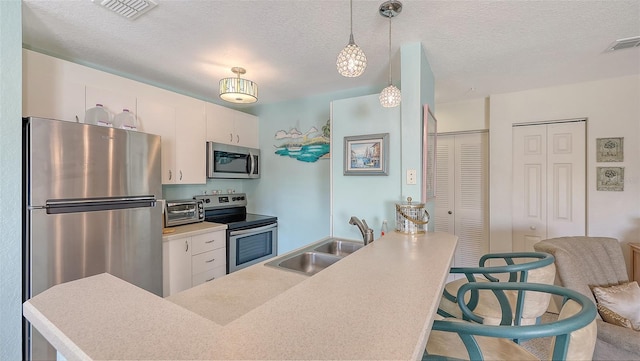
[
  {"x": 181, "y": 175},
  {"x": 210, "y": 279},
  {"x": 209, "y": 261},
  {"x": 231, "y": 137},
  {"x": 238, "y": 138},
  {"x": 450, "y": 212},
  {"x": 211, "y": 241},
  {"x": 170, "y": 175},
  {"x": 186, "y": 244}
]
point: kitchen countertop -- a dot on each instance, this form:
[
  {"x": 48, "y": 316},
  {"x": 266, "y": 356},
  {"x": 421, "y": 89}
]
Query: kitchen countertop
[
  {"x": 227, "y": 298},
  {"x": 192, "y": 229},
  {"x": 377, "y": 303}
]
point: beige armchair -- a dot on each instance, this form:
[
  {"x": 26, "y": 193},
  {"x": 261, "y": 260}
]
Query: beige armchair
[{"x": 584, "y": 262}]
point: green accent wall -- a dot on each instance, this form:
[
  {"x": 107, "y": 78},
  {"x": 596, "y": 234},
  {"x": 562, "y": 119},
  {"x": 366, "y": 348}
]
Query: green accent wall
[
  {"x": 11, "y": 181},
  {"x": 374, "y": 197},
  {"x": 298, "y": 193}
]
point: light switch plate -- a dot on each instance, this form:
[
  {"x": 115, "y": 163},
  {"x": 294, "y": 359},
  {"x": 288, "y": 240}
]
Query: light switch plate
[{"x": 411, "y": 176}]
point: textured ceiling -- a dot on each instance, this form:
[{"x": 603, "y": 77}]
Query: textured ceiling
[{"x": 289, "y": 47}]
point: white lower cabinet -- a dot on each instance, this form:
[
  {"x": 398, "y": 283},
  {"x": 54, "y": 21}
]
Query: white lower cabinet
[{"x": 190, "y": 261}]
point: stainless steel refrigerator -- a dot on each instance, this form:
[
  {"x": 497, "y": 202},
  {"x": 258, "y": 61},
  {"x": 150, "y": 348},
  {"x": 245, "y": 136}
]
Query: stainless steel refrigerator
[{"x": 89, "y": 207}]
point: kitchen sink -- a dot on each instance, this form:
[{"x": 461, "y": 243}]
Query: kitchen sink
[
  {"x": 339, "y": 247},
  {"x": 313, "y": 259},
  {"x": 309, "y": 263}
]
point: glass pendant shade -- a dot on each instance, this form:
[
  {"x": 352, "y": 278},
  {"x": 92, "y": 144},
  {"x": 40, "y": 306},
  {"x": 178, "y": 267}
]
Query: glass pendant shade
[
  {"x": 390, "y": 96},
  {"x": 351, "y": 61},
  {"x": 238, "y": 90}
]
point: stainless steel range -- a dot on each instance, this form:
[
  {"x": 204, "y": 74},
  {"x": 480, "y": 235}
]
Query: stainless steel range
[{"x": 251, "y": 238}]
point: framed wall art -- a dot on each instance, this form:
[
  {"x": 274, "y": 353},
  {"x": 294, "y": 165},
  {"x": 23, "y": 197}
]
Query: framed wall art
[
  {"x": 610, "y": 178},
  {"x": 609, "y": 149},
  {"x": 366, "y": 154}
]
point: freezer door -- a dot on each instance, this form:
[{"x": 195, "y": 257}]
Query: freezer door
[
  {"x": 124, "y": 242},
  {"x": 63, "y": 247},
  {"x": 71, "y": 160}
]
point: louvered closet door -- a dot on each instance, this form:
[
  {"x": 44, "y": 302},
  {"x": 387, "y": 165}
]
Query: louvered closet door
[{"x": 462, "y": 194}]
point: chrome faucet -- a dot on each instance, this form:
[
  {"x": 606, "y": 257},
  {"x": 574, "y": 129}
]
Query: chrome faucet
[{"x": 367, "y": 233}]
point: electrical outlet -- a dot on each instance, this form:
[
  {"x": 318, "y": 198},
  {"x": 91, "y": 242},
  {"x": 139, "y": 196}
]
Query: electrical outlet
[{"x": 411, "y": 176}]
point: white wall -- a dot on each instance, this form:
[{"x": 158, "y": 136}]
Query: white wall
[
  {"x": 612, "y": 109},
  {"x": 10, "y": 183},
  {"x": 464, "y": 115}
]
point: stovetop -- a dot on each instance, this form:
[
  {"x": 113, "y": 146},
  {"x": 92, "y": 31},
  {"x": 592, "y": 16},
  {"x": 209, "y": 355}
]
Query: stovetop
[
  {"x": 248, "y": 220},
  {"x": 230, "y": 209}
]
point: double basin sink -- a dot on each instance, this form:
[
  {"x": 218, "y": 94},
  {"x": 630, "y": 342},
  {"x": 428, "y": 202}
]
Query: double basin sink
[{"x": 313, "y": 259}]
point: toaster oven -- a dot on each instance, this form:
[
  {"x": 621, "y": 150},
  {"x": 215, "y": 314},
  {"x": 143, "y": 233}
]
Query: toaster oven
[{"x": 181, "y": 212}]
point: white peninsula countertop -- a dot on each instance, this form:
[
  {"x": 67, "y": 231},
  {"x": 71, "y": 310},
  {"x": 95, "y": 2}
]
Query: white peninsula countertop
[{"x": 377, "y": 303}]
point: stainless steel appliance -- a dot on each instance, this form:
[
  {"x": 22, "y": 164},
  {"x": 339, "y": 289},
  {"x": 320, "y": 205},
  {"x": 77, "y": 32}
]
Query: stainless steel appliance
[
  {"x": 181, "y": 212},
  {"x": 251, "y": 238},
  {"x": 230, "y": 161},
  {"x": 89, "y": 207}
]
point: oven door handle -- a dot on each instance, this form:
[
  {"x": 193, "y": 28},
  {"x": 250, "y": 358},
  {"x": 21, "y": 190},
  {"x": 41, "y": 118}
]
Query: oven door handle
[{"x": 253, "y": 230}]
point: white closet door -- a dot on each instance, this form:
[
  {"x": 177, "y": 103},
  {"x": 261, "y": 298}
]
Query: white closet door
[
  {"x": 471, "y": 206},
  {"x": 548, "y": 183},
  {"x": 462, "y": 194},
  {"x": 566, "y": 180},
  {"x": 529, "y": 224},
  {"x": 445, "y": 184}
]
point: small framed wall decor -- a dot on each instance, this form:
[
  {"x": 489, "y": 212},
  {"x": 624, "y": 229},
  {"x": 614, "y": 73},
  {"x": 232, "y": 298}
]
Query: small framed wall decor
[
  {"x": 609, "y": 149},
  {"x": 610, "y": 179},
  {"x": 366, "y": 154}
]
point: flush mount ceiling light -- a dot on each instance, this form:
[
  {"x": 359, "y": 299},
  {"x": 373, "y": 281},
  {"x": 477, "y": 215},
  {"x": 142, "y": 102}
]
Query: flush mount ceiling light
[
  {"x": 390, "y": 96},
  {"x": 238, "y": 90},
  {"x": 130, "y": 9}
]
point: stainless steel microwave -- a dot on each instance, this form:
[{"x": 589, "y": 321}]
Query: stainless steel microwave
[{"x": 231, "y": 161}]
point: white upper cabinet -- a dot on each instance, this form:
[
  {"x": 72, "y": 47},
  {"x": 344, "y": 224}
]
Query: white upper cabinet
[
  {"x": 112, "y": 100},
  {"x": 58, "y": 89},
  {"x": 50, "y": 91},
  {"x": 159, "y": 118},
  {"x": 182, "y": 128},
  {"x": 246, "y": 128},
  {"x": 229, "y": 126},
  {"x": 190, "y": 143}
]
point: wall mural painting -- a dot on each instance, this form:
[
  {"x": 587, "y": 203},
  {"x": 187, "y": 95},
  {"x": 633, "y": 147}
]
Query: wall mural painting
[{"x": 306, "y": 147}]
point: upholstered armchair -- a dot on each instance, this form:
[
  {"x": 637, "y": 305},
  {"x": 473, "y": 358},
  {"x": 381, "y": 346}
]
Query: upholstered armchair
[
  {"x": 536, "y": 267},
  {"x": 573, "y": 333},
  {"x": 586, "y": 262}
]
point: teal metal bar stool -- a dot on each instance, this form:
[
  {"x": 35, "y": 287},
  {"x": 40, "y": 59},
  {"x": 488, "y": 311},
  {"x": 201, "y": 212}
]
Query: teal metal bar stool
[
  {"x": 534, "y": 267},
  {"x": 574, "y": 332}
]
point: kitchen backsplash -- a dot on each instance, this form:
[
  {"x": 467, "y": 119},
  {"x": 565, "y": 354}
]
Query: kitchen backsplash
[{"x": 187, "y": 191}]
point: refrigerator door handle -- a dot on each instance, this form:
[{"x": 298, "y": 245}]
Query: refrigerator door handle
[{"x": 57, "y": 206}]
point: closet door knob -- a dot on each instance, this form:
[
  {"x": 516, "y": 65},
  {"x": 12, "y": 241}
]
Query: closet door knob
[{"x": 450, "y": 212}]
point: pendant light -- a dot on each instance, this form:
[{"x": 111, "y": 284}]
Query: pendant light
[
  {"x": 351, "y": 61},
  {"x": 390, "y": 96},
  {"x": 238, "y": 90}
]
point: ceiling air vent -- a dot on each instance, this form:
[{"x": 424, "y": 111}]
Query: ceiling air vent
[
  {"x": 130, "y": 9},
  {"x": 624, "y": 44}
]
